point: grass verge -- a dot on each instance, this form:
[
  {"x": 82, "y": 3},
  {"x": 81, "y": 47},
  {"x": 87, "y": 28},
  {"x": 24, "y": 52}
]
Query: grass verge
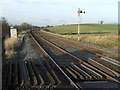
[
  {"x": 10, "y": 47},
  {"x": 107, "y": 41}
]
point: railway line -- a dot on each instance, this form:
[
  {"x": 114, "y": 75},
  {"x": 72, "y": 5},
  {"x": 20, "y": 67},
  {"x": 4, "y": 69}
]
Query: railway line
[
  {"x": 105, "y": 60},
  {"x": 58, "y": 69},
  {"x": 78, "y": 61},
  {"x": 80, "y": 44}
]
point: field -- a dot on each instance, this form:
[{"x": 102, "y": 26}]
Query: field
[
  {"x": 85, "y": 28},
  {"x": 105, "y": 35}
]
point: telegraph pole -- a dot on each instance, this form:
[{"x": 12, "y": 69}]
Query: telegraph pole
[{"x": 79, "y": 11}]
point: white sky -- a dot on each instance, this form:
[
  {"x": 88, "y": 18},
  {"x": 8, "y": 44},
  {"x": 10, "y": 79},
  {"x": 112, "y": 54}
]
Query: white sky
[{"x": 55, "y": 12}]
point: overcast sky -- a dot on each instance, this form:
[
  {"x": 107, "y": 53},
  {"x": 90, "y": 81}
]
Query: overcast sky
[{"x": 56, "y": 12}]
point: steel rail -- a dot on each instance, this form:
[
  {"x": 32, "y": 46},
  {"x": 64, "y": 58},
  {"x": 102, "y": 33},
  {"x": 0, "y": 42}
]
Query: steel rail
[
  {"x": 47, "y": 56},
  {"x": 104, "y": 67},
  {"x": 113, "y": 54},
  {"x": 82, "y": 49},
  {"x": 80, "y": 61},
  {"x": 117, "y": 63},
  {"x": 99, "y": 55}
]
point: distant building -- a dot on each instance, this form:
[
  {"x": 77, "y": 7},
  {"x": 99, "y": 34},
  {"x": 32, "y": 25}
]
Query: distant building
[{"x": 13, "y": 32}]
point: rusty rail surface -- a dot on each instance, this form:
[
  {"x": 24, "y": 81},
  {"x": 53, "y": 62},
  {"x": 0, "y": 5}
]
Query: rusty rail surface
[{"x": 113, "y": 54}]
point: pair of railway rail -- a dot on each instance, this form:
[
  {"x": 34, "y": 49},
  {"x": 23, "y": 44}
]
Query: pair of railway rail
[
  {"x": 73, "y": 70},
  {"x": 111, "y": 63},
  {"x": 103, "y": 58},
  {"x": 108, "y": 77},
  {"x": 86, "y": 46}
]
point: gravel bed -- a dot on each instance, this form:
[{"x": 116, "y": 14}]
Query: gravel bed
[
  {"x": 78, "y": 53},
  {"x": 28, "y": 51},
  {"x": 54, "y": 53}
]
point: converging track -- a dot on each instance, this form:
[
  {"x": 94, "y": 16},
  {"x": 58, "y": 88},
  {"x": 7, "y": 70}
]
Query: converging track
[
  {"x": 61, "y": 68},
  {"x": 87, "y": 54},
  {"x": 73, "y": 66}
]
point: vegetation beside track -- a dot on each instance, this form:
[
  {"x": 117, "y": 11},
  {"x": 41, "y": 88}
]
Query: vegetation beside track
[
  {"x": 11, "y": 45},
  {"x": 96, "y": 35}
]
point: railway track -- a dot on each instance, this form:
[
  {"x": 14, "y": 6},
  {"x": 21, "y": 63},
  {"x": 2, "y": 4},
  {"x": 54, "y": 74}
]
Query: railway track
[
  {"x": 106, "y": 61},
  {"x": 59, "y": 69},
  {"x": 71, "y": 65},
  {"x": 32, "y": 74},
  {"x": 86, "y": 46}
]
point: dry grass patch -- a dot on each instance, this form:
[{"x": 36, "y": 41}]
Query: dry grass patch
[
  {"x": 108, "y": 41},
  {"x": 10, "y": 45}
]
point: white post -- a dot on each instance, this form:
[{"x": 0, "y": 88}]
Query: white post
[
  {"x": 79, "y": 11},
  {"x": 78, "y": 25}
]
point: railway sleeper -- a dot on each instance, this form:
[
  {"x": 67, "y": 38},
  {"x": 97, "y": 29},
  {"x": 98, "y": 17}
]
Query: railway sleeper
[
  {"x": 62, "y": 78},
  {"x": 5, "y": 75},
  {"x": 50, "y": 70},
  {"x": 86, "y": 76},
  {"x": 50, "y": 78},
  {"x": 38, "y": 77},
  {"x": 25, "y": 74},
  {"x": 68, "y": 73},
  {"x": 101, "y": 67},
  {"x": 62, "y": 60},
  {"x": 20, "y": 73},
  {"x": 71, "y": 73},
  {"x": 42, "y": 81},
  {"x": 33, "y": 79},
  {"x": 15, "y": 82},
  {"x": 9, "y": 75},
  {"x": 79, "y": 77},
  {"x": 92, "y": 73},
  {"x": 38, "y": 68},
  {"x": 109, "y": 65},
  {"x": 42, "y": 73},
  {"x": 115, "y": 62}
]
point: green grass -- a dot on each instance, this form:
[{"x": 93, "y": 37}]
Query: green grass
[{"x": 85, "y": 28}]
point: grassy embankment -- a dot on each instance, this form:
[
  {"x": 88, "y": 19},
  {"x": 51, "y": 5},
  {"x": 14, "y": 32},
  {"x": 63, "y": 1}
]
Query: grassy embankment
[
  {"x": 108, "y": 40},
  {"x": 11, "y": 45}
]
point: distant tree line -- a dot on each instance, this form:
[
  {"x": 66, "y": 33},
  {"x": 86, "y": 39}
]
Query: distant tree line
[
  {"x": 6, "y": 27},
  {"x": 22, "y": 27}
]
